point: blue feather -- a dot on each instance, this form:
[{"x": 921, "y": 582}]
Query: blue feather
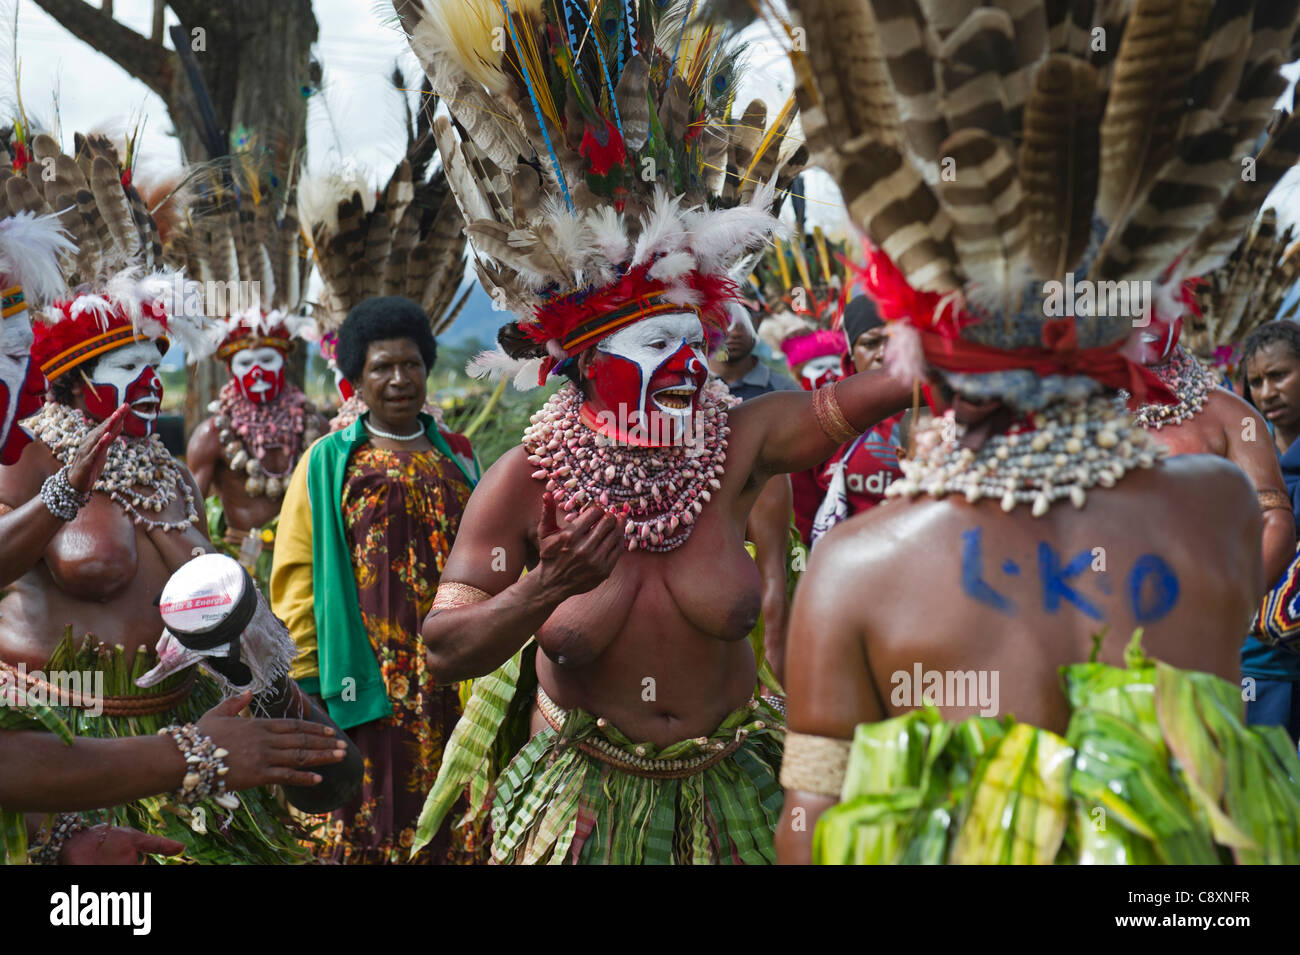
[
  {"x": 537, "y": 110},
  {"x": 629, "y": 6},
  {"x": 618, "y": 120}
]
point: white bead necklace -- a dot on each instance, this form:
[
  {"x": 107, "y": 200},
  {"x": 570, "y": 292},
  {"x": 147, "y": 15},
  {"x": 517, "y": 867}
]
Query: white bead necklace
[
  {"x": 1071, "y": 448},
  {"x": 379, "y": 433},
  {"x": 132, "y": 463}
]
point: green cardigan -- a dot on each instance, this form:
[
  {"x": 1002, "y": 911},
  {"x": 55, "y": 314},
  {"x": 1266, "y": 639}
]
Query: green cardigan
[{"x": 343, "y": 648}]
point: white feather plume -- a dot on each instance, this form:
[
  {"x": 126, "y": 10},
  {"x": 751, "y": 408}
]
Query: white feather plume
[
  {"x": 30, "y": 246},
  {"x": 609, "y": 234},
  {"x": 662, "y": 230}
]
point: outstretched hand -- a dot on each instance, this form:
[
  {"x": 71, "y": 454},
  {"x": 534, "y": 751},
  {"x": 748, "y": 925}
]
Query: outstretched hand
[
  {"x": 114, "y": 845},
  {"x": 88, "y": 460},
  {"x": 266, "y": 752},
  {"x": 577, "y": 557}
]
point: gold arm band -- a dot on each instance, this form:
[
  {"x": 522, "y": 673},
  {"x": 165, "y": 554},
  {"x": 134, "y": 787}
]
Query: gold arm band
[
  {"x": 815, "y": 764},
  {"x": 451, "y": 595},
  {"x": 1274, "y": 501},
  {"x": 830, "y": 418}
]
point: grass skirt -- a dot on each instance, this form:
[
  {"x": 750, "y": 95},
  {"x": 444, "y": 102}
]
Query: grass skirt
[
  {"x": 546, "y": 799},
  {"x": 259, "y": 832}
]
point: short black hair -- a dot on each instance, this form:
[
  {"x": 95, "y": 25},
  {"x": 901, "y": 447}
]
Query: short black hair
[
  {"x": 1271, "y": 333},
  {"x": 377, "y": 319}
]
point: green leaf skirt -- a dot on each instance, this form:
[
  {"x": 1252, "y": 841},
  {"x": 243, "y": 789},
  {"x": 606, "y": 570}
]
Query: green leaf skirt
[
  {"x": 547, "y": 799},
  {"x": 259, "y": 832}
]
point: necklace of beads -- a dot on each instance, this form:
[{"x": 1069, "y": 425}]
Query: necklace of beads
[
  {"x": 132, "y": 463},
  {"x": 665, "y": 488},
  {"x": 1059, "y": 454},
  {"x": 1190, "y": 383},
  {"x": 247, "y": 431}
]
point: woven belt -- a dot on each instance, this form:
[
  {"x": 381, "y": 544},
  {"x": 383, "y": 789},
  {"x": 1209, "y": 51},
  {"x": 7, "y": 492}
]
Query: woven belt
[
  {"x": 606, "y": 752},
  {"x": 142, "y": 704}
]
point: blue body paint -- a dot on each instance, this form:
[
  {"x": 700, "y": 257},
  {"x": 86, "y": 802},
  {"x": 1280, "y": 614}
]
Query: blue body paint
[
  {"x": 1010, "y": 568},
  {"x": 1054, "y": 576},
  {"x": 1161, "y": 596},
  {"x": 972, "y": 574}
]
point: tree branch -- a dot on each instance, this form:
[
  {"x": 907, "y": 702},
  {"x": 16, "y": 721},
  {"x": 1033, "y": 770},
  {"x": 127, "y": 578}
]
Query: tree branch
[{"x": 148, "y": 62}]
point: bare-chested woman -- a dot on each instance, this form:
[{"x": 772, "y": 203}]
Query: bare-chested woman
[{"x": 38, "y": 772}]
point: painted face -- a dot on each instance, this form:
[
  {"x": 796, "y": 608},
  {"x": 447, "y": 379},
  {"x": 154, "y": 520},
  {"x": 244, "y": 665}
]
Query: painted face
[
  {"x": 1159, "y": 338},
  {"x": 22, "y": 386},
  {"x": 820, "y": 371},
  {"x": 127, "y": 375},
  {"x": 258, "y": 373},
  {"x": 648, "y": 378}
]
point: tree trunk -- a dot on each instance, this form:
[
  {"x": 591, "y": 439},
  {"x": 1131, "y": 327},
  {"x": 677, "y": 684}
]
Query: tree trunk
[{"x": 254, "y": 58}]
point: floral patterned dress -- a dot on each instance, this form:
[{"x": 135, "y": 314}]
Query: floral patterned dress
[{"x": 401, "y": 510}]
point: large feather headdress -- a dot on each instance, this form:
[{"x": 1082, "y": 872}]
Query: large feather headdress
[
  {"x": 408, "y": 240},
  {"x": 239, "y": 237},
  {"x": 1000, "y": 155},
  {"x": 1247, "y": 291},
  {"x": 120, "y": 291},
  {"x": 593, "y": 155}
]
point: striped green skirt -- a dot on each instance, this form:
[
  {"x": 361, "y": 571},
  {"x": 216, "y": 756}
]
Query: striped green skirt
[
  {"x": 580, "y": 792},
  {"x": 258, "y": 832}
]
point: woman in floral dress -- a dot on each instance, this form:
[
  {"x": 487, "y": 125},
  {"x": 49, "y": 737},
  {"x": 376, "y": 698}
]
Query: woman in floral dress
[{"x": 368, "y": 520}]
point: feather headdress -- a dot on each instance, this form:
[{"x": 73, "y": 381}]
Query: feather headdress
[
  {"x": 1247, "y": 291},
  {"x": 119, "y": 289},
  {"x": 407, "y": 240},
  {"x": 1008, "y": 157},
  {"x": 238, "y": 235},
  {"x": 592, "y": 153},
  {"x": 802, "y": 286}
]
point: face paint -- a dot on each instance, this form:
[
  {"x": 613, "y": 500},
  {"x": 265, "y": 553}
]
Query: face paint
[
  {"x": 820, "y": 371},
  {"x": 127, "y": 375},
  {"x": 258, "y": 373},
  {"x": 1159, "y": 339},
  {"x": 22, "y": 386},
  {"x": 648, "y": 377}
]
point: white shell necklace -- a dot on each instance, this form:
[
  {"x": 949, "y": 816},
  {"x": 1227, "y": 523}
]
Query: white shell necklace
[
  {"x": 1070, "y": 448},
  {"x": 132, "y": 463},
  {"x": 380, "y": 433}
]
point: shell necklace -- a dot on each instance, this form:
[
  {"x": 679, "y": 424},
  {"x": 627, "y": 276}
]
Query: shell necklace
[
  {"x": 1189, "y": 381},
  {"x": 665, "y": 488},
  {"x": 132, "y": 463},
  {"x": 1057, "y": 455},
  {"x": 247, "y": 431}
]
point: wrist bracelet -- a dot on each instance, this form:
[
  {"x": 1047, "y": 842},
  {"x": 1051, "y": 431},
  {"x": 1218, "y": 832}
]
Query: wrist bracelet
[
  {"x": 60, "y": 498},
  {"x": 205, "y": 767},
  {"x": 66, "y": 825}
]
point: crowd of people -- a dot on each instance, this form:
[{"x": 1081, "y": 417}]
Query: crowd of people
[{"x": 909, "y": 546}]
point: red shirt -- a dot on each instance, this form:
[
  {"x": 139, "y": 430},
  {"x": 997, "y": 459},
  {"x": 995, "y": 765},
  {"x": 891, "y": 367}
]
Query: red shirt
[{"x": 871, "y": 467}]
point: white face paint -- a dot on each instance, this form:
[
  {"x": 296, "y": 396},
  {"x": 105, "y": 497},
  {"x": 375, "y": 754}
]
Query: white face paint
[
  {"x": 15, "y": 356},
  {"x": 814, "y": 368},
  {"x": 268, "y": 359},
  {"x": 649, "y": 345},
  {"x": 122, "y": 367}
]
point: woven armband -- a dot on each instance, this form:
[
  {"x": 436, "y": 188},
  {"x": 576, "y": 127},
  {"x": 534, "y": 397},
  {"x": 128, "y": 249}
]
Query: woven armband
[
  {"x": 830, "y": 418},
  {"x": 1274, "y": 501},
  {"x": 815, "y": 764},
  {"x": 451, "y": 595}
]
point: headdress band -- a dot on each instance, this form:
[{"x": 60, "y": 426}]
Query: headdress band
[
  {"x": 12, "y": 302},
  {"x": 95, "y": 346}
]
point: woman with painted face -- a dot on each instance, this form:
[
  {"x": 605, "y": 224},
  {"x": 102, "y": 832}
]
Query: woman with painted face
[
  {"x": 97, "y": 517},
  {"x": 260, "y": 426},
  {"x": 369, "y": 518}
]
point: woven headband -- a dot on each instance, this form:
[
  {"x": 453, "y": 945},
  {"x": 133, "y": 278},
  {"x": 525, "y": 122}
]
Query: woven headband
[
  {"x": 95, "y": 346},
  {"x": 229, "y": 349}
]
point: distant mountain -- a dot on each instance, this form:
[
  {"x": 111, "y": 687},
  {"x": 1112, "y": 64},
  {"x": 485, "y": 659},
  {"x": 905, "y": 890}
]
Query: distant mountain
[{"x": 476, "y": 321}]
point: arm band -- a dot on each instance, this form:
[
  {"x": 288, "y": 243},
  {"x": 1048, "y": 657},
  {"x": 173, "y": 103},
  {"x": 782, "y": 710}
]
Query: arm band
[
  {"x": 830, "y": 417},
  {"x": 451, "y": 595},
  {"x": 815, "y": 764},
  {"x": 1274, "y": 501}
]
